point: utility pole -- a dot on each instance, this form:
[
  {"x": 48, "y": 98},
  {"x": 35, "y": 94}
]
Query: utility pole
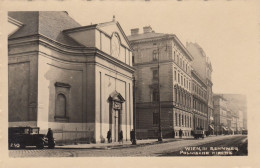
[
  {"x": 159, "y": 101},
  {"x": 134, "y": 114}
]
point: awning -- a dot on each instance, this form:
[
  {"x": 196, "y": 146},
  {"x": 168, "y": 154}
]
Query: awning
[
  {"x": 224, "y": 128},
  {"x": 210, "y": 126}
]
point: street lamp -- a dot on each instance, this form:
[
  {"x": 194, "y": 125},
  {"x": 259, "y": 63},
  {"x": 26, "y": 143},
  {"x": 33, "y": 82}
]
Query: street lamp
[
  {"x": 159, "y": 101},
  {"x": 134, "y": 114}
]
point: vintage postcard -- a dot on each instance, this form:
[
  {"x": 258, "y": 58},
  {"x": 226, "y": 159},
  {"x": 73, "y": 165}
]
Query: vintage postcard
[{"x": 167, "y": 83}]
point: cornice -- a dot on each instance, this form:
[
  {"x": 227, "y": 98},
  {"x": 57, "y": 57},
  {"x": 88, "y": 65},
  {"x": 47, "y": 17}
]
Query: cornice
[{"x": 68, "y": 50}]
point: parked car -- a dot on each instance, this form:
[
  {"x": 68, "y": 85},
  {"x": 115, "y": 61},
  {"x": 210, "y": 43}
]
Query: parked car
[
  {"x": 20, "y": 137},
  {"x": 198, "y": 134}
]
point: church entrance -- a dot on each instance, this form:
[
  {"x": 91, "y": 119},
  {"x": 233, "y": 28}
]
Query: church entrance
[{"x": 115, "y": 116}]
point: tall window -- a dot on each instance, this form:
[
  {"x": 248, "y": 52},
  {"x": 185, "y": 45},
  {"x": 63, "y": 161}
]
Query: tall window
[
  {"x": 176, "y": 119},
  {"x": 176, "y": 95},
  {"x": 155, "y": 55},
  {"x": 178, "y": 78},
  {"x": 155, "y": 74},
  {"x": 179, "y": 119},
  {"x": 182, "y": 119},
  {"x": 175, "y": 77},
  {"x": 60, "y": 110},
  {"x": 155, "y": 118},
  {"x": 155, "y": 95}
]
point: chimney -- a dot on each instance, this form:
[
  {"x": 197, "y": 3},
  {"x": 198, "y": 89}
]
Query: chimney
[
  {"x": 134, "y": 31},
  {"x": 147, "y": 29}
]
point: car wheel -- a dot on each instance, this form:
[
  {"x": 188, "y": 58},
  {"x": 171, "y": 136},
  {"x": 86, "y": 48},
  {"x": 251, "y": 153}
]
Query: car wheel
[
  {"x": 40, "y": 145},
  {"x": 22, "y": 146}
]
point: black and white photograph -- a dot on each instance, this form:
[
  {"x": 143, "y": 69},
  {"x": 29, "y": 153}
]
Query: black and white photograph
[{"x": 124, "y": 80}]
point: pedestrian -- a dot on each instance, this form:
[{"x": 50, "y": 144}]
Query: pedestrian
[
  {"x": 50, "y": 138},
  {"x": 120, "y": 137},
  {"x": 180, "y": 133},
  {"x": 132, "y": 135},
  {"x": 173, "y": 133},
  {"x": 109, "y": 136}
]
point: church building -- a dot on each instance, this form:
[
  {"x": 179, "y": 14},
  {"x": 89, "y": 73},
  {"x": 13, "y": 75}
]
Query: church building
[{"x": 77, "y": 80}]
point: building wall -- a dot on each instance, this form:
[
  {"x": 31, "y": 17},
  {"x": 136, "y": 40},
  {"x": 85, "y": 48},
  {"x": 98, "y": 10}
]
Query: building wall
[
  {"x": 66, "y": 88},
  {"x": 107, "y": 81},
  {"x": 22, "y": 85},
  {"x": 173, "y": 63}
]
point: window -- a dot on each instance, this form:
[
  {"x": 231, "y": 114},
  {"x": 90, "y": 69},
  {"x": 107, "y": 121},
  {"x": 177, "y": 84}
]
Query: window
[
  {"x": 155, "y": 95},
  {"x": 176, "y": 95},
  {"x": 175, "y": 77},
  {"x": 182, "y": 120},
  {"x": 155, "y": 55},
  {"x": 178, "y": 59},
  {"x": 61, "y": 102},
  {"x": 179, "y": 119},
  {"x": 178, "y": 78},
  {"x": 155, "y": 118},
  {"x": 190, "y": 121},
  {"x": 176, "y": 119},
  {"x": 181, "y": 80},
  {"x": 60, "y": 110},
  {"x": 155, "y": 74}
]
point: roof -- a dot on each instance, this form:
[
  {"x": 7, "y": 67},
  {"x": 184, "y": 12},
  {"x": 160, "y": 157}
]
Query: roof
[
  {"x": 145, "y": 36},
  {"x": 47, "y": 23},
  {"x": 152, "y": 36},
  {"x": 99, "y": 26}
]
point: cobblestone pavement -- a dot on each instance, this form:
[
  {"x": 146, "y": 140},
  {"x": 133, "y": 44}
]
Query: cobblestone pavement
[{"x": 154, "y": 149}]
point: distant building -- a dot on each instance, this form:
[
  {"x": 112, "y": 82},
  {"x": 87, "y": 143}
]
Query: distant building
[
  {"x": 74, "y": 79},
  {"x": 174, "y": 74},
  {"x": 221, "y": 115},
  {"x": 202, "y": 65},
  {"x": 237, "y": 103}
]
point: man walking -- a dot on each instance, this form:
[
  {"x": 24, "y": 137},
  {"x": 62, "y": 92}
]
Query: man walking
[
  {"x": 120, "y": 136},
  {"x": 49, "y": 135},
  {"x": 180, "y": 133},
  {"x": 109, "y": 136}
]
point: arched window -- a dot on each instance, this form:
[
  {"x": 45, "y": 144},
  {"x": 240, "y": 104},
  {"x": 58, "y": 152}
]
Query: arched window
[{"x": 60, "y": 110}]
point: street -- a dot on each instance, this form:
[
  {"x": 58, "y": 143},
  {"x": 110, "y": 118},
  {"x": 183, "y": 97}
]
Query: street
[{"x": 237, "y": 145}]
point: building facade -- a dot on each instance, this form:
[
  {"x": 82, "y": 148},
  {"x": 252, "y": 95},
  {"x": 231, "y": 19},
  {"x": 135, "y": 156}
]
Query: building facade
[
  {"x": 163, "y": 84},
  {"x": 221, "y": 114},
  {"x": 237, "y": 103},
  {"x": 74, "y": 79},
  {"x": 199, "y": 98},
  {"x": 202, "y": 65}
]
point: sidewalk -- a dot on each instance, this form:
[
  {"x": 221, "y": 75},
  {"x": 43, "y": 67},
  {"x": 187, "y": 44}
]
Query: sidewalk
[
  {"x": 115, "y": 145},
  {"x": 127, "y": 144}
]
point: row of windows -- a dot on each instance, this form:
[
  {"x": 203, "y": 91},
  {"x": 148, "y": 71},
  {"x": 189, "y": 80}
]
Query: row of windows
[
  {"x": 182, "y": 98},
  {"x": 183, "y": 120},
  {"x": 199, "y": 106},
  {"x": 182, "y": 80},
  {"x": 199, "y": 91},
  {"x": 181, "y": 61},
  {"x": 200, "y": 123}
]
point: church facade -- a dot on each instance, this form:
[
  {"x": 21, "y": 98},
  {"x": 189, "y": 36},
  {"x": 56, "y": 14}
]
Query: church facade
[{"x": 74, "y": 79}]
